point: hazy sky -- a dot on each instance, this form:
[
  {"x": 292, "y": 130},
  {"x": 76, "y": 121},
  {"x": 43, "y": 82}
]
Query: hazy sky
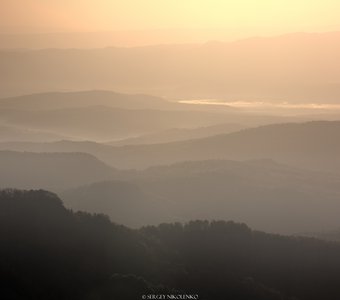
[{"x": 236, "y": 17}]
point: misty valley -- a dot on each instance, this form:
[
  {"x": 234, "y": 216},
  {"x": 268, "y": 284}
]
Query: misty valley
[
  {"x": 108, "y": 195},
  {"x": 176, "y": 171}
]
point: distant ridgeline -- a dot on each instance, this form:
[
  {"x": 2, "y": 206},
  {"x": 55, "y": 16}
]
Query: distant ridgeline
[{"x": 49, "y": 252}]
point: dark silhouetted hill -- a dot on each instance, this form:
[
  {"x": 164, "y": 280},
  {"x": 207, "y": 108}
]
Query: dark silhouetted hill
[{"x": 50, "y": 252}]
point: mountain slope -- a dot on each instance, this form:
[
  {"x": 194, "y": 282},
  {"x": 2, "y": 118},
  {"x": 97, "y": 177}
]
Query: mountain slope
[
  {"x": 56, "y": 171},
  {"x": 311, "y": 145},
  {"x": 59, "y": 100},
  {"x": 296, "y": 68},
  {"x": 124, "y": 201},
  {"x": 179, "y": 134},
  {"x": 262, "y": 193},
  {"x": 12, "y": 133},
  {"x": 105, "y": 123}
]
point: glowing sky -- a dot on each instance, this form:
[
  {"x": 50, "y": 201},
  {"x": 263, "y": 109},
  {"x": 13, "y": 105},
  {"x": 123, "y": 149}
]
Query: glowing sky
[{"x": 236, "y": 17}]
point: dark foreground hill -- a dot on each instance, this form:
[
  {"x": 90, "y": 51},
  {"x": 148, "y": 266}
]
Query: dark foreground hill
[{"x": 48, "y": 252}]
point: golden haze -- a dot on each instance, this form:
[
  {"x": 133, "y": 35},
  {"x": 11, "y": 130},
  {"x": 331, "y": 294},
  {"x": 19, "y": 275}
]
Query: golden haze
[{"x": 236, "y": 18}]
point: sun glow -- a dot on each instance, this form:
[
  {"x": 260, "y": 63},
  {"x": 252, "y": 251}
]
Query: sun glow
[{"x": 236, "y": 18}]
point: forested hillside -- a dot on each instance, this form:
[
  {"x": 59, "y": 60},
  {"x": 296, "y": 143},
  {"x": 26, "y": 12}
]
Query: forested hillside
[{"x": 75, "y": 255}]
